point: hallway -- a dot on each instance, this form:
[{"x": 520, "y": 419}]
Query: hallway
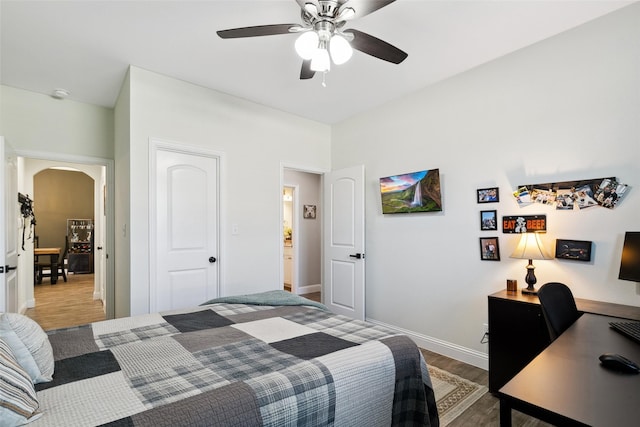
[{"x": 66, "y": 304}]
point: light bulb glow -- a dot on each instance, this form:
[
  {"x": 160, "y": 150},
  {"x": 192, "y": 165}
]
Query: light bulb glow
[
  {"x": 340, "y": 48},
  {"x": 307, "y": 44},
  {"x": 320, "y": 61}
]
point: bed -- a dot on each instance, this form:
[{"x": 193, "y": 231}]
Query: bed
[{"x": 270, "y": 359}]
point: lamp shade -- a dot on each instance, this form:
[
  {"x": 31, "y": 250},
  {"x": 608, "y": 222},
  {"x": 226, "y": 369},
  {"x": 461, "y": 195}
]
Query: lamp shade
[
  {"x": 307, "y": 44},
  {"x": 530, "y": 247},
  {"x": 340, "y": 49},
  {"x": 320, "y": 60}
]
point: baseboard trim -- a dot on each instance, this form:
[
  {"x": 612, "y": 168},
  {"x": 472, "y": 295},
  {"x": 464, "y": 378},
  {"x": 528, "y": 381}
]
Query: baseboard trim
[
  {"x": 454, "y": 351},
  {"x": 97, "y": 296},
  {"x": 301, "y": 290}
]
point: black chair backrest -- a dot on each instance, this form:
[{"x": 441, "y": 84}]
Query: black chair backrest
[
  {"x": 558, "y": 307},
  {"x": 66, "y": 248}
]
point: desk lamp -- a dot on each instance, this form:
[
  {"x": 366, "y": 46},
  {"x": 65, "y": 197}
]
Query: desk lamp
[{"x": 530, "y": 247}]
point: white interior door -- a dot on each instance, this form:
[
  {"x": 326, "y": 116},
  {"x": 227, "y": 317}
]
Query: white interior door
[
  {"x": 186, "y": 229},
  {"x": 344, "y": 264},
  {"x": 9, "y": 220}
]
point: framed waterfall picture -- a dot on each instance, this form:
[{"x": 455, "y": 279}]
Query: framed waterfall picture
[{"x": 411, "y": 192}]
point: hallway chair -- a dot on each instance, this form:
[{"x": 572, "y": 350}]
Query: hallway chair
[
  {"x": 40, "y": 267},
  {"x": 558, "y": 307}
]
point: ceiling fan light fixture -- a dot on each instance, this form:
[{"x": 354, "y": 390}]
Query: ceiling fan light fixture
[
  {"x": 340, "y": 49},
  {"x": 321, "y": 61},
  {"x": 307, "y": 44},
  {"x": 346, "y": 14}
]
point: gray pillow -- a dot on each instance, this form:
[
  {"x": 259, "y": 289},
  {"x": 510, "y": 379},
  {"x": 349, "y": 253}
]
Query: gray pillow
[
  {"x": 18, "y": 400},
  {"x": 29, "y": 344}
]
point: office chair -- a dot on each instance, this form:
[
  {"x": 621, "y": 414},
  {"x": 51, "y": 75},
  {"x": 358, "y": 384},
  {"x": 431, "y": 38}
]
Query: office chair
[{"x": 558, "y": 307}]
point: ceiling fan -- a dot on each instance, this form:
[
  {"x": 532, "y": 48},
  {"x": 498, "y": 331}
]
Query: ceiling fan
[{"x": 322, "y": 37}]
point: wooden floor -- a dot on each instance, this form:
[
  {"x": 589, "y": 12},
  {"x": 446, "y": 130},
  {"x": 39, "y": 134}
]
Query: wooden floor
[
  {"x": 70, "y": 304},
  {"x": 486, "y": 411},
  {"x": 66, "y": 304}
]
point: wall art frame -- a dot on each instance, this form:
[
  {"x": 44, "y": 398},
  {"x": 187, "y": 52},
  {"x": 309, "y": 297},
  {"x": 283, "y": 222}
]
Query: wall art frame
[
  {"x": 573, "y": 250},
  {"x": 489, "y": 249},
  {"x": 488, "y": 220},
  {"x": 488, "y": 195},
  {"x": 309, "y": 212}
]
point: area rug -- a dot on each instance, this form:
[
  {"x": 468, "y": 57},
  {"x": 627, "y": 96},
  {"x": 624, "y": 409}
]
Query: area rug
[{"x": 453, "y": 394}]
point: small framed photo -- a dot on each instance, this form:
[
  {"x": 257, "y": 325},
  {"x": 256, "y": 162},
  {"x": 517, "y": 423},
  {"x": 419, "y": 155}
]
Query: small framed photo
[
  {"x": 574, "y": 250},
  {"x": 309, "y": 212},
  {"x": 488, "y": 195},
  {"x": 488, "y": 220},
  {"x": 489, "y": 249}
]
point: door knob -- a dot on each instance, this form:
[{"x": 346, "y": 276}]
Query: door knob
[
  {"x": 357, "y": 256},
  {"x": 212, "y": 259},
  {"x": 7, "y": 268}
]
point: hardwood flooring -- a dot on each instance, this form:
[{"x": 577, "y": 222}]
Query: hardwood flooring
[
  {"x": 66, "y": 304},
  {"x": 70, "y": 304},
  {"x": 486, "y": 411}
]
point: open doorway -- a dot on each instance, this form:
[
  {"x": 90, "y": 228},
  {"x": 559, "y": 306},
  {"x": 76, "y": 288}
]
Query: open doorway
[
  {"x": 89, "y": 281},
  {"x": 288, "y": 225},
  {"x": 302, "y": 233}
]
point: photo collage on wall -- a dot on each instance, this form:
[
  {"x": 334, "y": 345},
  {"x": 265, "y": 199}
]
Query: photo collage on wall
[
  {"x": 489, "y": 246},
  {"x": 573, "y": 195}
]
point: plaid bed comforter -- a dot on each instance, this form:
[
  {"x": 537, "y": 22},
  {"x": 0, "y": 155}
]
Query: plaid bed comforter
[{"x": 236, "y": 365}]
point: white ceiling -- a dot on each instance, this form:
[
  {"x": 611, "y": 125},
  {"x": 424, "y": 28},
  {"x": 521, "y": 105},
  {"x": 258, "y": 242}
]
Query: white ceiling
[{"x": 86, "y": 46}]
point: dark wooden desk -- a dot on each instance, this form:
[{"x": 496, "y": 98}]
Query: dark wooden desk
[
  {"x": 518, "y": 332},
  {"x": 54, "y": 255},
  {"x": 565, "y": 385}
]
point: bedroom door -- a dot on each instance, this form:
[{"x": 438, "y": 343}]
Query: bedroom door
[
  {"x": 344, "y": 262},
  {"x": 185, "y": 231},
  {"x": 9, "y": 220}
]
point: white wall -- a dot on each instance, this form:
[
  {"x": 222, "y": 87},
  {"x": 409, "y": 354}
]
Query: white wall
[
  {"x": 36, "y": 122},
  {"x": 255, "y": 141},
  {"x": 122, "y": 157},
  {"x": 566, "y": 108}
]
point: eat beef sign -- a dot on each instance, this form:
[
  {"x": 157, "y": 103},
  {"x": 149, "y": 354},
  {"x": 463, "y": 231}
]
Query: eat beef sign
[{"x": 524, "y": 223}]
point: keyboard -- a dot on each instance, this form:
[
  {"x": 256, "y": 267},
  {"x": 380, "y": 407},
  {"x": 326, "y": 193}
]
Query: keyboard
[{"x": 629, "y": 329}]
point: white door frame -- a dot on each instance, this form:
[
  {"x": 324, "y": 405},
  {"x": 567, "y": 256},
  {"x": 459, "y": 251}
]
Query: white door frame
[
  {"x": 109, "y": 238},
  {"x": 9, "y": 248},
  {"x": 156, "y": 144},
  {"x": 297, "y": 168},
  {"x": 295, "y": 211}
]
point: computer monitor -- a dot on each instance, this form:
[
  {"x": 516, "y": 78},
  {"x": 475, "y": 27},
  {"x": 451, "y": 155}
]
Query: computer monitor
[{"x": 630, "y": 262}]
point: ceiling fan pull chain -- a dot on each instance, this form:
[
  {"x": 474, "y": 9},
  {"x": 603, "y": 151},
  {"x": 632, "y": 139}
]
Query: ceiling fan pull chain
[{"x": 324, "y": 77}]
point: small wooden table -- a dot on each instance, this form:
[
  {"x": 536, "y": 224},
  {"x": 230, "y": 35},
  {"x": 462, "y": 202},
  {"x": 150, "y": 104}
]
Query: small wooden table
[{"x": 54, "y": 255}]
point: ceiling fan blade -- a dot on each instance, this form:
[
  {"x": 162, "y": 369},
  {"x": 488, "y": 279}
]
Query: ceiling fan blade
[
  {"x": 306, "y": 72},
  {"x": 375, "y": 47},
  {"x": 364, "y": 7},
  {"x": 259, "y": 30}
]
